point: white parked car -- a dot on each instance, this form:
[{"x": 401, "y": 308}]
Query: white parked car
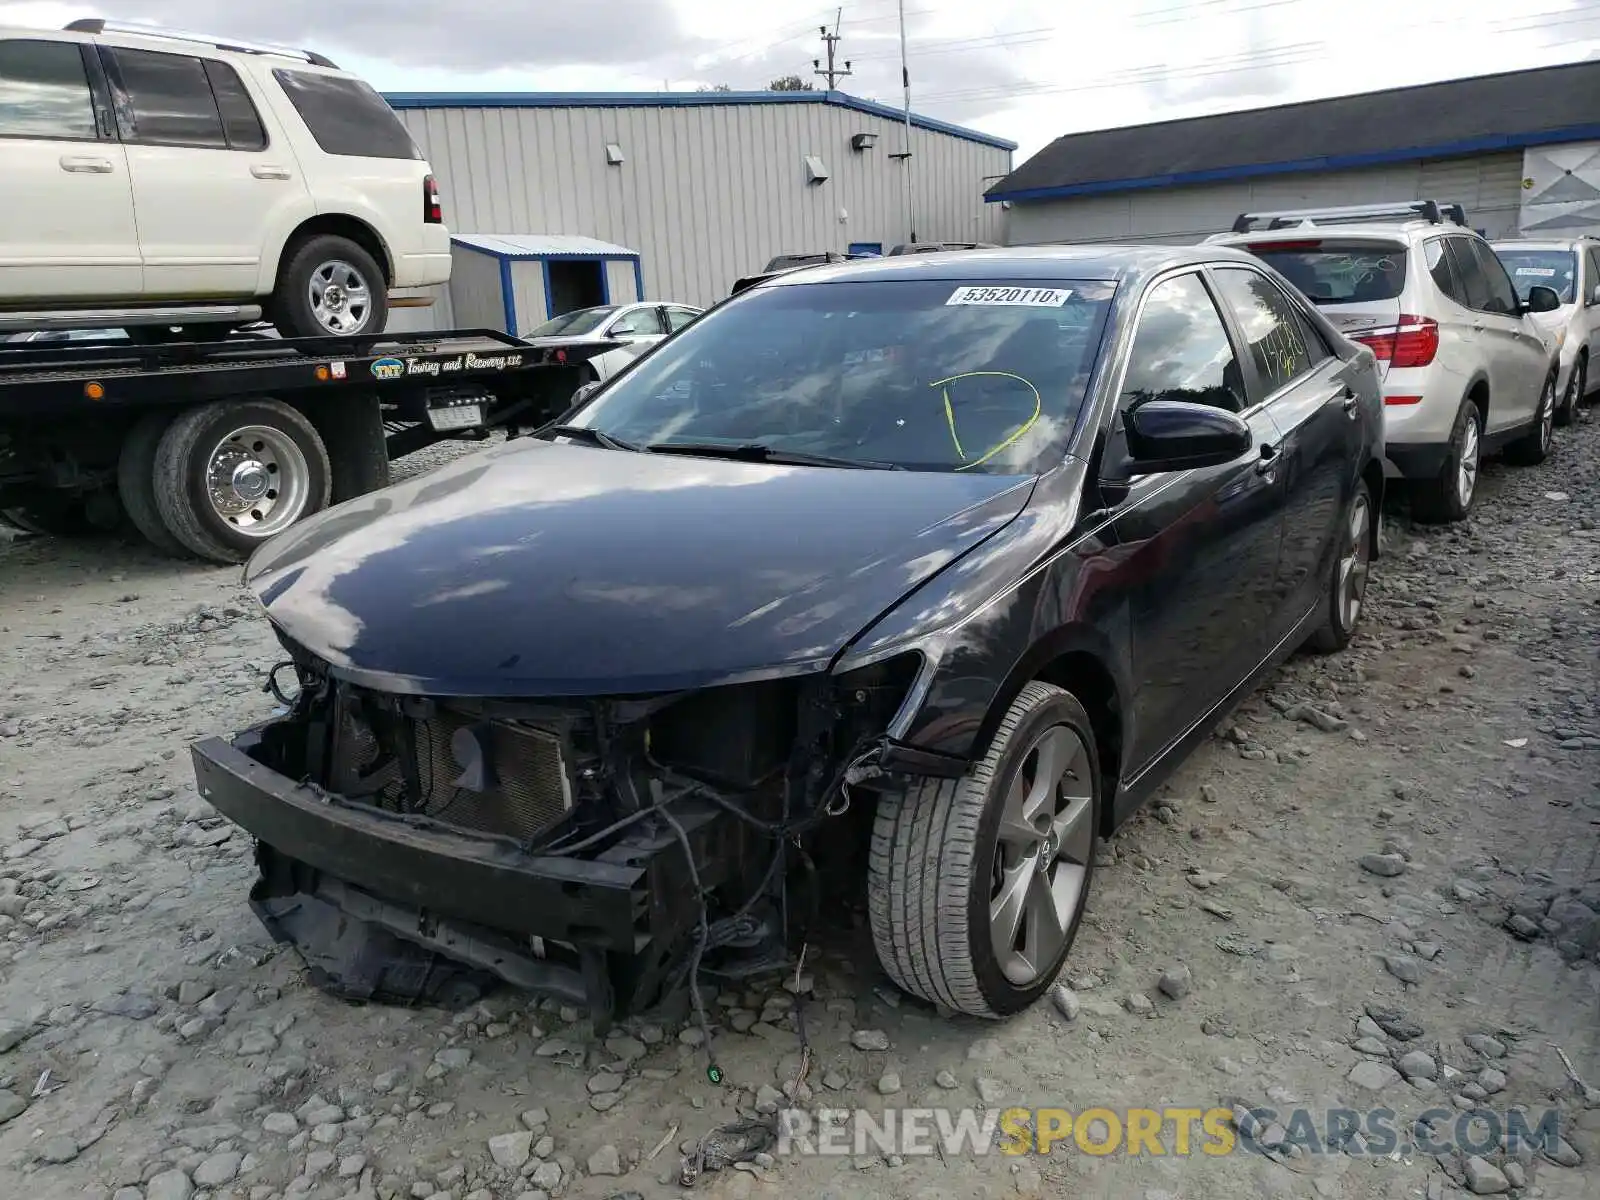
[
  {"x": 1572, "y": 268},
  {"x": 625, "y": 330},
  {"x": 1467, "y": 368},
  {"x": 266, "y": 182}
]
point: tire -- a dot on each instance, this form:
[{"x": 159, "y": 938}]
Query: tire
[
  {"x": 136, "y": 483},
  {"x": 1347, "y": 587},
  {"x": 332, "y": 268},
  {"x": 51, "y": 514},
  {"x": 1449, "y": 496},
  {"x": 934, "y": 852},
  {"x": 1576, "y": 387},
  {"x": 1533, "y": 447},
  {"x": 269, "y": 465}
]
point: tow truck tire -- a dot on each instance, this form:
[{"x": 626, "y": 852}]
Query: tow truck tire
[
  {"x": 231, "y": 474},
  {"x": 51, "y": 514},
  {"x": 331, "y": 269},
  {"x": 946, "y": 851},
  {"x": 136, "y": 483}
]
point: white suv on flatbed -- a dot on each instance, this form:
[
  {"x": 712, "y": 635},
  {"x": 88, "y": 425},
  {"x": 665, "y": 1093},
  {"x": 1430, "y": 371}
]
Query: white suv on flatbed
[
  {"x": 158, "y": 180},
  {"x": 1468, "y": 368}
]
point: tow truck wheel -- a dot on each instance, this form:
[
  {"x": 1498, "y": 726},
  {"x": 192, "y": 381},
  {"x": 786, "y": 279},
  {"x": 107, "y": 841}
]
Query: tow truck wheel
[
  {"x": 976, "y": 886},
  {"x": 52, "y": 513},
  {"x": 136, "y": 483},
  {"x": 231, "y": 474}
]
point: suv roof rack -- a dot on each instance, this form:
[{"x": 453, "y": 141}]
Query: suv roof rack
[
  {"x": 98, "y": 25},
  {"x": 1427, "y": 210}
]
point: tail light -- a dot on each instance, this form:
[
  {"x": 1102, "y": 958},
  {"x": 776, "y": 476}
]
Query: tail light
[
  {"x": 1412, "y": 343},
  {"x": 432, "y": 210}
]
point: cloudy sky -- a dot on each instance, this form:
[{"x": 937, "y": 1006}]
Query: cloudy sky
[{"x": 1024, "y": 69}]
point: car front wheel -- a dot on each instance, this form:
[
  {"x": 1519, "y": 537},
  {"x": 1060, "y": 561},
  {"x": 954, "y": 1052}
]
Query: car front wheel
[
  {"x": 976, "y": 886},
  {"x": 1533, "y": 447}
]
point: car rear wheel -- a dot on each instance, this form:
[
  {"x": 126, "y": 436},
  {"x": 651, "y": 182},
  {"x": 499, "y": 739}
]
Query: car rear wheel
[
  {"x": 230, "y": 475},
  {"x": 1347, "y": 590},
  {"x": 330, "y": 287},
  {"x": 1533, "y": 447},
  {"x": 976, "y": 886},
  {"x": 1576, "y": 387},
  {"x": 1448, "y": 496}
]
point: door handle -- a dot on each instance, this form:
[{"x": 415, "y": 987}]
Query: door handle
[
  {"x": 1268, "y": 465},
  {"x": 265, "y": 171},
  {"x": 1351, "y": 402},
  {"x": 79, "y": 165}
]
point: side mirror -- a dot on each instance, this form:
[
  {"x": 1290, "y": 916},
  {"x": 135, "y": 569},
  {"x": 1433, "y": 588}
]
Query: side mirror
[
  {"x": 1180, "y": 435},
  {"x": 1595, "y": 299},
  {"x": 1543, "y": 299},
  {"x": 584, "y": 392}
]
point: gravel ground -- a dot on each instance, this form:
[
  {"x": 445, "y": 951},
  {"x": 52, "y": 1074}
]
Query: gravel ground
[{"x": 1376, "y": 886}]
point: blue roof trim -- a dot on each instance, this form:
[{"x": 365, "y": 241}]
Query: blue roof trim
[
  {"x": 680, "y": 100},
  {"x": 1332, "y": 162}
]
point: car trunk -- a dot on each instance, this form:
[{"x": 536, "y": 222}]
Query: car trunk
[{"x": 1355, "y": 281}]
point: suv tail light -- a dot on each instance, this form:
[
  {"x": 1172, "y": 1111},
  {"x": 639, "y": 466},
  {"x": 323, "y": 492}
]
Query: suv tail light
[
  {"x": 432, "y": 210},
  {"x": 1412, "y": 343}
]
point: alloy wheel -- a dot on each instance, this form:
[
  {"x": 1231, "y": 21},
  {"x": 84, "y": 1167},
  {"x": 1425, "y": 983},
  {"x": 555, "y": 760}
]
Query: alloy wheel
[
  {"x": 1354, "y": 566},
  {"x": 340, "y": 298},
  {"x": 1467, "y": 462},
  {"x": 258, "y": 480},
  {"x": 1576, "y": 387},
  {"x": 1042, "y": 855},
  {"x": 1547, "y": 413}
]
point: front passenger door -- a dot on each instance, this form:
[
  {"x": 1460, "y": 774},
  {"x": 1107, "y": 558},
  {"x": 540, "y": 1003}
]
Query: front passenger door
[{"x": 1200, "y": 546}]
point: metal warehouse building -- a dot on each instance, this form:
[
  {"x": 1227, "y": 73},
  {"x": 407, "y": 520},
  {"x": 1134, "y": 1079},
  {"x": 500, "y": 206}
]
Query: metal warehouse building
[
  {"x": 678, "y": 194},
  {"x": 1520, "y": 150}
]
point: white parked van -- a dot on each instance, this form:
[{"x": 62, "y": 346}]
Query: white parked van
[{"x": 158, "y": 180}]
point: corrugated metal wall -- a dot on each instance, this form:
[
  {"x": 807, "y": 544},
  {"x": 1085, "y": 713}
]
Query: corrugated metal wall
[
  {"x": 477, "y": 299},
  {"x": 527, "y": 290},
  {"x": 1490, "y": 186},
  {"x": 706, "y": 194},
  {"x": 619, "y": 282}
]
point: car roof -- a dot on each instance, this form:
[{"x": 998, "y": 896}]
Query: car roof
[
  {"x": 1395, "y": 231},
  {"x": 1539, "y": 243},
  {"x": 1112, "y": 262}
]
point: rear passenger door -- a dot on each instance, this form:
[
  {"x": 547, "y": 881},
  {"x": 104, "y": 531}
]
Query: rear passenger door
[
  {"x": 208, "y": 182},
  {"x": 1512, "y": 353},
  {"x": 1200, "y": 547},
  {"x": 67, "y": 231},
  {"x": 1318, "y": 416}
]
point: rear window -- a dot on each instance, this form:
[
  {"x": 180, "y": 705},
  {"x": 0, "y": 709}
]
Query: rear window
[
  {"x": 1556, "y": 269},
  {"x": 1330, "y": 271},
  {"x": 346, "y": 116}
]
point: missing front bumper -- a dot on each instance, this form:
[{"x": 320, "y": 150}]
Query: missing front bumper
[{"x": 342, "y": 881}]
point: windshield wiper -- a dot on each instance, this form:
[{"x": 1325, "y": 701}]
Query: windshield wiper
[
  {"x": 595, "y": 437},
  {"x": 756, "y": 452}
]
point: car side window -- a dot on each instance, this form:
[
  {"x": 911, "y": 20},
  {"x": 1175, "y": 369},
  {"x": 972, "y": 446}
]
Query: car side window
[
  {"x": 1443, "y": 272},
  {"x": 168, "y": 100},
  {"x": 241, "y": 123},
  {"x": 1474, "y": 283},
  {"x": 1277, "y": 346},
  {"x": 1502, "y": 292},
  {"x": 1593, "y": 282},
  {"x": 677, "y": 318},
  {"x": 640, "y": 321},
  {"x": 44, "y": 91},
  {"x": 1181, "y": 350}
]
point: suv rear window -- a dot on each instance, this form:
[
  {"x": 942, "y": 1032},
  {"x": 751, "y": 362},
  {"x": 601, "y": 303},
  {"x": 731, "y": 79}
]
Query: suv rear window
[
  {"x": 1556, "y": 269},
  {"x": 1333, "y": 271},
  {"x": 346, "y": 116}
]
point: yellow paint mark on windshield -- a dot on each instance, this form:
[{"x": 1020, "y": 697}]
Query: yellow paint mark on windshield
[{"x": 950, "y": 416}]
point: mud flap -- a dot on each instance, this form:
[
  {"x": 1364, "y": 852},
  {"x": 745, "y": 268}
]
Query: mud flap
[{"x": 359, "y": 961}]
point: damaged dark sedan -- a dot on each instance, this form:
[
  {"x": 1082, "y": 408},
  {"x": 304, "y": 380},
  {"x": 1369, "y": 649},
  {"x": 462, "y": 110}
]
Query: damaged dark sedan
[{"x": 899, "y": 580}]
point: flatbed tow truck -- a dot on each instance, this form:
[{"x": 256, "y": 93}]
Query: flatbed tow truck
[{"x": 208, "y": 448}]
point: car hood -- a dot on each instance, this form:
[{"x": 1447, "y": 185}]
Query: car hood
[{"x": 543, "y": 569}]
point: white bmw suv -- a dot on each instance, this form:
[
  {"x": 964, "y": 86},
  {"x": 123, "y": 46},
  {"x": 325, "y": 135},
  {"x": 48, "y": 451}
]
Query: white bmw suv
[
  {"x": 1468, "y": 368},
  {"x": 160, "y": 181}
]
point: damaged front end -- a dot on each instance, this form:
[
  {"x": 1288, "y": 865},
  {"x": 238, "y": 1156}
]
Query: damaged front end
[{"x": 598, "y": 850}]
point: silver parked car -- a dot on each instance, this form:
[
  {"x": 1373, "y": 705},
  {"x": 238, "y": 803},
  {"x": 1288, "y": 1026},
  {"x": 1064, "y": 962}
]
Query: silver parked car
[
  {"x": 619, "y": 332},
  {"x": 1468, "y": 368},
  {"x": 1572, "y": 267}
]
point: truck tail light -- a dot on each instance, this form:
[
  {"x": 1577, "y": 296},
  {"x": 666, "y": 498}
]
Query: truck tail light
[{"x": 432, "y": 210}]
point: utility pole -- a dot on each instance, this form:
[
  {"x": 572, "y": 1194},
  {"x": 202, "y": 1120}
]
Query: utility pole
[
  {"x": 831, "y": 42},
  {"x": 905, "y": 155}
]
